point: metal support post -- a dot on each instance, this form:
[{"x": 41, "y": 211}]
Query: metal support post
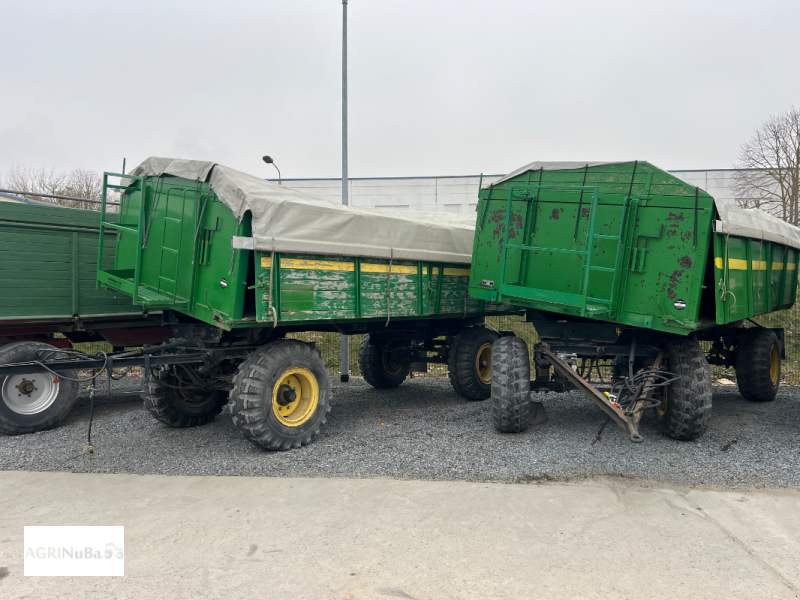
[{"x": 345, "y": 338}]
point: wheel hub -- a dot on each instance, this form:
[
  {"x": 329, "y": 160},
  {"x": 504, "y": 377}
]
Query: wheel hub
[
  {"x": 391, "y": 367},
  {"x": 286, "y": 395},
  {"x": 30, "y": 396},
  {"x": 26, "y": 387}
]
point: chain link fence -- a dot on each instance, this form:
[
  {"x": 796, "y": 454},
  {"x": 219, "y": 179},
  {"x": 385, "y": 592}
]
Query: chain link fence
[{"x": 329, "y": 345}]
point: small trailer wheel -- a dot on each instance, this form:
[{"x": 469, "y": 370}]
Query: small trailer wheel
[
  {"x": 470, "y": 363},
  {"x": 758, "y": 364},
  {"x": 34, "y": 401},
  {"x": 686, "y": 403},
  {"x": 281, "y": 395},
  {"x": 377, "y": 366},
  {"x": 511, "y": 384},
  {"x": 179, "y": 406}
]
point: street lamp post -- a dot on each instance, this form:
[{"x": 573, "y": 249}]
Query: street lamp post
[
  {"x": 269, "y": 161},
  {"x": 345, "y": 339}
]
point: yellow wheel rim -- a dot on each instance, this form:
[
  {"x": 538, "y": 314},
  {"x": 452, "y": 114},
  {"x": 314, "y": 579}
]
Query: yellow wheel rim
[
  {"x": 295, "y": 396},
  {"x": 483, "y": 364},
  {"x": 662, "y": 410},
  {"x": 774, "y": 364}
]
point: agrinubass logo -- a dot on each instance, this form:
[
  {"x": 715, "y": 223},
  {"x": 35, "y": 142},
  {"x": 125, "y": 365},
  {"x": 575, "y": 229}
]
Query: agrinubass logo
[{"x": 49, "y": 552}]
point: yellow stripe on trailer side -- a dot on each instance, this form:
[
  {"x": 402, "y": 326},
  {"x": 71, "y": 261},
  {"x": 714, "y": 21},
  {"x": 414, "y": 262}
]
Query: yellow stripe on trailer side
[
  {"x": 741, "y": 265},
  {"x": 399, "y": 269},
  {"x": 301, "y": 264},
  {"x": 733, "y": 263}
]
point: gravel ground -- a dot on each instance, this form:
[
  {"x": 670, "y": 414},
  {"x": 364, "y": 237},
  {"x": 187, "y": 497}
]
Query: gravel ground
[{"x": 424, "y": 430}]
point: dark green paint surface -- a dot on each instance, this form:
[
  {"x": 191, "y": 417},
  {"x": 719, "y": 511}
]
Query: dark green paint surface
[{"x": 49, "y": 264}]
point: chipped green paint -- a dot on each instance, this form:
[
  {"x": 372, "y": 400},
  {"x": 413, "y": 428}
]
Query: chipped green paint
[
  {"x": 626, "y": 243},
  {"x": 187, "y": 264},
  {"x": 413, "y": 290}
]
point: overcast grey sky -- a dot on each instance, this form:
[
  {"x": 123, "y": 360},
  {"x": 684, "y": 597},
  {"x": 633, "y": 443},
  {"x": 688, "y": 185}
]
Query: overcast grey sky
[{"x": 436, "y": 87}]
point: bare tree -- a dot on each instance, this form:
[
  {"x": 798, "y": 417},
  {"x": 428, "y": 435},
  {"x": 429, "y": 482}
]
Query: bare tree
[
  {"x": 78, "y": 183},
  {"x": 768, "y": 175}
]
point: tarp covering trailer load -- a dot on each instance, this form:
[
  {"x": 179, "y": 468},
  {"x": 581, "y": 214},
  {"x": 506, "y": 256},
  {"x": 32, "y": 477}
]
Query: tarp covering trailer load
[
  {"x": 627, "y": 265},
  {"x": 47, "y": 278},
  {"x": 236, "y": 263}
]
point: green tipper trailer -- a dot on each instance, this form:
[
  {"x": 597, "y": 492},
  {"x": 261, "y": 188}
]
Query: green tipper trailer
[
  {"x": 47, "y": 287},
  {"x": 627, "y": 264},
  {"x": 236, "y": 263}
]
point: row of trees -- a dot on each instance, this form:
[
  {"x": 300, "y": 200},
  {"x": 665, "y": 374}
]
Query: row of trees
[
  {"x": 769, "y": 168},
  {"x": 78, "y": 183}
]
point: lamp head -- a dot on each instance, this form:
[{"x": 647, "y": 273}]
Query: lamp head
[{"x": 268, "y": 160}]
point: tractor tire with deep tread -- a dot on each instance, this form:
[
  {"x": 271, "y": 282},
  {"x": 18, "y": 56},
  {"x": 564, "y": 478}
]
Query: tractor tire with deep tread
[
  {"x": 377, "y": 368},
  {"x": 181, "y": 408},
  {"x": 46, "y": 405},
  {"x": 469, "y": 373},
  {"x": 686, "y": 403},
  {"x": 758, "y": 364},
  {"x": 511, "y": 383},
  {"x": 258, "y": 414}
]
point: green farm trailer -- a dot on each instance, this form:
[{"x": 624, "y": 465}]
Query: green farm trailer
[
  {"x": 626, "y": 266},
  {"x": 236, "y": 263},
  {"x": 48, "y": 301}
]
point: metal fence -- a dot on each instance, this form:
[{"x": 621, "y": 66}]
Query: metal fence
[{"x": 329, "y": 345}]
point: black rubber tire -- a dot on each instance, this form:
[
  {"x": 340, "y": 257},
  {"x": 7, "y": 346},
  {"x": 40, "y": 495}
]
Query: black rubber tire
[
  {"x": 462, "y": 363},
  {"x": 753, "y": 364},
  {"x": 253, "y": 414},
  {"x": 687, "y": 402},
  {"x": 511, "y": 384},
  {"x": 178, "y": 408},
  {"x": 376, "y": 370},
  {"x": 14, "y": 423}
]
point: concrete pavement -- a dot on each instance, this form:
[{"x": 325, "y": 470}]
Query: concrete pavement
[{"x": 349, "y": 539}]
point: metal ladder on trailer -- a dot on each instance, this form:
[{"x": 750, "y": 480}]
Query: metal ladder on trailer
[
  {"x": 128, "y": 280},
  {"x": 581, "y": 300}
]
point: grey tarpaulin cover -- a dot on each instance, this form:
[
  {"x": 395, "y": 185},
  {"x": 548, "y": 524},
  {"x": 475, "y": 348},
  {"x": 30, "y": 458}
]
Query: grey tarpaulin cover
[
  {"x": 287, "y": 220},
  {"x": 733, "y": 220}
]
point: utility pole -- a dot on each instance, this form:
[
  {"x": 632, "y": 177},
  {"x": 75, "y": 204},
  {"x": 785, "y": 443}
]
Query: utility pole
[{"x": 345, "y": 338}]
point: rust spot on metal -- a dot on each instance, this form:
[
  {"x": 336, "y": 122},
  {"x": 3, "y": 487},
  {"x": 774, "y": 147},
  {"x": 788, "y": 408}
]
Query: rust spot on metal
[
  {"x": 673, "y": 283},
  {"x": 585, "y": 212},
  {"x": 554, "y": 214},
  {"x": 686, "y": 262}
]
